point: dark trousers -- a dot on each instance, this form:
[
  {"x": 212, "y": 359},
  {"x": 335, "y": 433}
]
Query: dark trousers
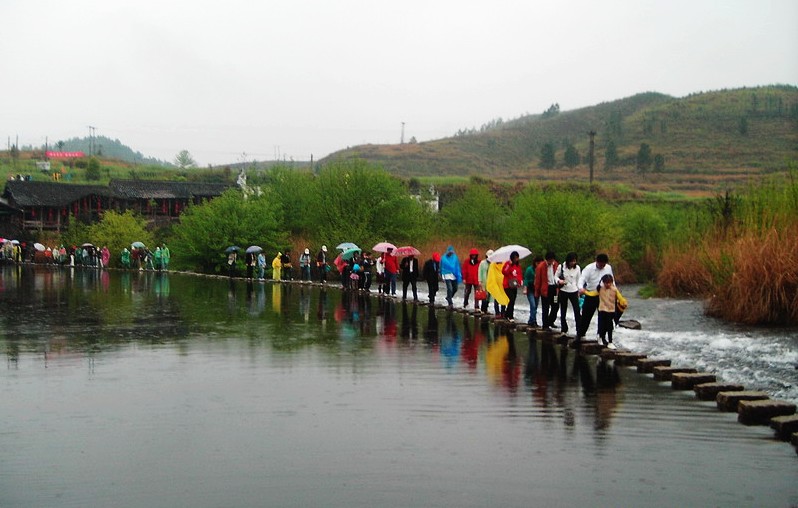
[
  {"x": 512, "y": 293},
  {"x": 605, "y": 320},
  {"x": 432, "y": 288},
  {"x": 365, "y": 281},
  {"x": 549, "y": 315},
  {"x": 495, "y": 305},
  {"x": 390, "y": 282},
  {"x": 564, "y": 299},
  {"x": 412, "y": 282},
  {"x": 322, "y": 273},
  {"x": 451, "y": 289},
  {"x": 588, "y": 309},
  {"x": 467, "y": 293}
]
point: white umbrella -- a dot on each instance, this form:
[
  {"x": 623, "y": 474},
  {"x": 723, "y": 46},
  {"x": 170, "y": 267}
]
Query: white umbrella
[
  {"x": 383, "y": 247},
  {"x": 39, "y": 247},
  {"x": 502, "y": 254}
]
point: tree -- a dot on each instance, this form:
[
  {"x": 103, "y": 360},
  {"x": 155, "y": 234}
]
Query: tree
[
  {"x": 553, "y": 110},
  {"x": 118, "y": 230},
  {"x": 659, "y": 163},
  {"x": 184, "y": 160},
  {"x": 548, "y": 156},
  {"x": 207, "y": 229},
  {"x": 610, "y": 156},
  {"x": 571, "y": 156},
  {"x": 93, "y": 169},
  {"x": 644, "y": 158},
  {"x": 642, "y": 236},
  {"x": 458, "y": 217}
]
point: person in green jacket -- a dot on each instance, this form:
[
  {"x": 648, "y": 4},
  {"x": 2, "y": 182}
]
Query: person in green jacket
[
  {"x": 166, "y": 256},
  {"x": 529, "y": 290},
  {"x": 125, "y": 258},
  {"x": 157, "y": 255}
]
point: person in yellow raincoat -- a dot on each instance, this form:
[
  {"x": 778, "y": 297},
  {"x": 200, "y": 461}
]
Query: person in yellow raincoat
[
  {"x": 277, "y": 266},
  {"x": 495, "y": 285}
]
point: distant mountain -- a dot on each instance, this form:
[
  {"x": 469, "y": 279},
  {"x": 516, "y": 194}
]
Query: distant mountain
[
  {"x": 693, "y": 142},
  {"x": 107, "y": 148}
]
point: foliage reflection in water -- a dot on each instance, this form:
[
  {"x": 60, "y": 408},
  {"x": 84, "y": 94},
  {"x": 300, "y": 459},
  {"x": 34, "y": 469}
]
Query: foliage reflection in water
[{"x": 138, "y": 389}]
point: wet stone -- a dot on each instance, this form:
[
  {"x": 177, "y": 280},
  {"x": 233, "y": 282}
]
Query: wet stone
[
  {"x": 709, "y": 391},
  {"x": 646, "y": 365},
  {"x": 728, "y": 401},
  {"x": 591, "y": 347},
  {"x": 759, "y": 412},
  {"x": 785, "y": 426},
  {"x": 626, "y": 358},
  {"x": 686, "y": 381},
  {"x": 665, "y": 373}
]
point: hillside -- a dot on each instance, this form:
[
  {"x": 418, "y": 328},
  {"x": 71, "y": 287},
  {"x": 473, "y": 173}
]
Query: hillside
[
  {"x": 106, "y": 147},
  {"x": 702, "y": 142}
]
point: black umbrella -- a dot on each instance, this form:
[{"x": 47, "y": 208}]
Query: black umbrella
[
  {"x": 232, "y": 248},
  {"x": 254, "y": 249}
]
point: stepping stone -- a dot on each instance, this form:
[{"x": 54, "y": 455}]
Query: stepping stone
[
  {"x": 759, "y": 412},
  {"x": 794, "y": 441},
  {"x": 686, "y": 381},
  {"x": 591, "y": 347},
  {"x": 709, "y": 391},
  {"x": 522, "y": 328},
  {"x": 611, "y": 354},
  {"x": 785, "y": 426},
  {"x": 665, "y": 373},
  {"x": 728, "y": 401},
  {"x": 627, "y": 358},
  {"x": 646, "y": 365}
]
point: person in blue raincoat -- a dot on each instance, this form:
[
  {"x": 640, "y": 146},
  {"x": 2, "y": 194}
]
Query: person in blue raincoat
[{"x": 450, "y": 273}]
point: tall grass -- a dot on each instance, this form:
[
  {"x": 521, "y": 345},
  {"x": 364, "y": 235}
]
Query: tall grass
[{"x": 746, "y": 262}]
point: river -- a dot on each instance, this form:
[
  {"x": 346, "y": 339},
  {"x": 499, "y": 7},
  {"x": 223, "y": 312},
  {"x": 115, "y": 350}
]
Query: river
[{"x": 140, "y": 389}]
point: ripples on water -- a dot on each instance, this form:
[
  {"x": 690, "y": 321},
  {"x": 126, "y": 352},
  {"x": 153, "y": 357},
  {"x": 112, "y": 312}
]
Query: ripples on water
[{"x": 145, "y": 390}]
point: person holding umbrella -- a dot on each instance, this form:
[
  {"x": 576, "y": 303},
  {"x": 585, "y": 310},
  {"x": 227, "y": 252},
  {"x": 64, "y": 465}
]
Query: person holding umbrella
[
  {"x": 450, "y": 273},
  {"x": 391, "y": 269},
  {"x": 409, "y": 267},
  {"x": 232, "y": 256}
]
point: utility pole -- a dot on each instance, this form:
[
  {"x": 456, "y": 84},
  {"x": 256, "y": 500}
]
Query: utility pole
[
  {"x": 592, "y": 135},
  {"x": 402, "y": 139},
  {"x": 91, "y": 140}
]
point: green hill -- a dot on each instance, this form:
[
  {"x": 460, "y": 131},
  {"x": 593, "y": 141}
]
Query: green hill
[
  {"x": 108, "y": 148},
  {"x": 697, "y": 143}
]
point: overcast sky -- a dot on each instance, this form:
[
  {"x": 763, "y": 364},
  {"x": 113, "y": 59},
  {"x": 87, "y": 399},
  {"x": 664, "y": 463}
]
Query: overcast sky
[{"x": 302, "y": 77}]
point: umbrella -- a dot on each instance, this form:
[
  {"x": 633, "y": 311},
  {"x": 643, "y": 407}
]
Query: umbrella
[
  {"x": 137, "y": 245},
  {"x": 407, "y": 250},
  {"x": 232, "y": 248},
  {"x": 253, "y": 249},
  {"x": 383, "y": 247},
  {"x": 87, "y": 245},
  {"x": 39, "y": 247},
  {"x": 14, "y": 242},
  {"x": 347, "y": 246},
  {"x": 502, "y": 254},
  {"x": 348, "y": 253}
]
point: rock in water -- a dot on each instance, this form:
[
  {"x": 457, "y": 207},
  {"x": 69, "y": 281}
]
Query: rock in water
[{"x": 630, "y": 324}]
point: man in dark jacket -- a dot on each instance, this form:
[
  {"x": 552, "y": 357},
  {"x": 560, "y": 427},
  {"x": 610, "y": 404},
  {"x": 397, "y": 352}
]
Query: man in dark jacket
[
  {"x": 409, "y": 268},
  {"x": 431, "y": 274}
]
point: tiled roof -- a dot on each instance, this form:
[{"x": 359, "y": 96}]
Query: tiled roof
[
  {"x": 154, "y": 189},
  {"x": 26, "y": 194}
]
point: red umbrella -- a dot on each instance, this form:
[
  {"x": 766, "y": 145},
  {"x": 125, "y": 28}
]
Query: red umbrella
[{"x": 407, "y": 250}]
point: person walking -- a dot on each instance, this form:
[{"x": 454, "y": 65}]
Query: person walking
[
  {"x": 365, "y": 266},
  {"x": 286, "y": 268},
  {"x": 431, "y": 273},
  {"x": 610, "y": 299},
  {"x": 546, "y": 288},
  {"x": 157, "y": 258},
  {"x": 391, "y": 269},
  {"x": 380, "y": 269},
  {"x": 529, "y": 291},
  {"x": 484, "y": 268},
  {"x": 513, "y": 279},
  {"x": 587, "y": 286},
  {"x": 261, "y": 266},
  {"x": 321, "y": 264},
  {"x": 166, "y": 257},
  {"x": 125, "y": 258},
  {"x": 470, "y": 271},
  {"x": 304, "y": 265},
  {"x": 277, "y": 266},
  {"x": 568, "y": 280},
  {"x": 451, "y": 274},
  {"x": 105, "y": 256},
  {"x": 409, "y": 268},
  {"x": 232, "y": 256}
]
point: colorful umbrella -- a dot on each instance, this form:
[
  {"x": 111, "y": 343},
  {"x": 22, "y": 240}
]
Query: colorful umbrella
[
  {"x": 407, "y": 250},
  {"x": 383, "y": 247},
  {"x": 347, "y": 246},
  {"x": 347, "y": 254},
  {"x": 253, "y": 249},
  {"x": 502, "y": 254}
]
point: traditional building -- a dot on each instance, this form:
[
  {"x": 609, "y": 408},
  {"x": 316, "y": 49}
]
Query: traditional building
[{"x": 28, "y": 206}]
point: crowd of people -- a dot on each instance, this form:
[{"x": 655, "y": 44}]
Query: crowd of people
[
  {"x": 86, "y": 255},
  {"x": 548, "y": 285}
]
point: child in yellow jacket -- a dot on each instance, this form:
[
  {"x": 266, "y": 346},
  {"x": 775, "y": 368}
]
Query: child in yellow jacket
[{"x": 610, "y": 298}]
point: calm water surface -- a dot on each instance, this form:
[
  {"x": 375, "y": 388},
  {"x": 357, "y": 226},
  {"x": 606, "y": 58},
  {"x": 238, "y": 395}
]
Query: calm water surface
[{"x": 138, "y": 389}]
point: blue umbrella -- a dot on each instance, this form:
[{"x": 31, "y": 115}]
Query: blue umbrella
[
  {"x": 348, "y": 253},
  {"x": 347, "y": 246},
  {"x": 232, "y": 248},
  {"x": 252, "y": 249}
]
